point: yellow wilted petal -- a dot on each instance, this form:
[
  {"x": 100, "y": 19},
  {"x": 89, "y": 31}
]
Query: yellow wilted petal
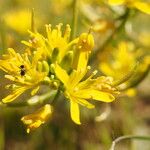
[
  {"x": 142, "y": 6},
  {"x": 95, "y": 94},
  {"x": 14, "y": 95},
  {"x": 34, "y": 126},
  {"x": 74, "y": 110},
  {"x": 38, "y": 118},
  {"x": 61, "y": 74},
  {"x": 116, "y": 2}
]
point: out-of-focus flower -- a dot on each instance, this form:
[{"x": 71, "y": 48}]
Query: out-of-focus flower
[
  {"x": 144, "y": 38},
  {"x": 131, "y": 92},
  {"x": 22, "y": 2},
  {"x": 19, "y": 20},
  {"x": 55, "y": 45},
  {"x": 118, "y": 62},
  {"x": 77, "y": 91},
  {"x": 141, "y": 5},
  {"x": 38, "y": 118},
  {"x": 60, "y": 6},
  {"x": 103, "y": 25},
  {"x": 22, "y": 70},
  {"x": 147, "y": 60},
  {"x": 127, "y": 65}
]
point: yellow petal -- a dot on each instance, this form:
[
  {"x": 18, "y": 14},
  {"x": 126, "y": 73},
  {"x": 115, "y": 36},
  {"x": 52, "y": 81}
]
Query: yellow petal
[
  {"x": 85, "y": 103},
  {"x": 116, "y": 2},
  {"x": 61, "y": 74},
  {"x": 83, "y": 60},
  {"x": 74, "y": 110},
  {"x": 14, "y": 95},
  {"x": 142, "y": 6},
  {"x": 67, "y": 32},
  {"x": 107, "y": 69},
  {"x": 95, "y": 94},
  {"x": 27, "y": 43},
  {"x": 76, "y": 77},
  {"x": 10, "y": 77},
  {"x": 35, "y": 90}
]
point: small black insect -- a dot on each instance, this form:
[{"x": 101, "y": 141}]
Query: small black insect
[{"x": 22, "y": 70}]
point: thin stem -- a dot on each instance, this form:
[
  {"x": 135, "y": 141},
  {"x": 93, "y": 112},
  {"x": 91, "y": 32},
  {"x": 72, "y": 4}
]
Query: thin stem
[
  {"x": 32, "y": 21},
  {"x": 128, "y": 137},
  {"x": 138, "y": 80},
  {"x": 75, "y": 18},
  {"x": 35, "y": 100},
  {"x": 126, "y": 77},
  {"x": 2, "y": 134},
  {"x": 56, "y": 97},
  {"x": 123, "y": 19},
  {"x": 3, "y": 36}
]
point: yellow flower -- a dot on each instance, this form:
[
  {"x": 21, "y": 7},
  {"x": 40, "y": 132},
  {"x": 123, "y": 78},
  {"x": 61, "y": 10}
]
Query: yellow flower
[
  {"x": 60, "y": 6},
  {"x": 144, "y": 38},
  {"x": 55, "y": 41},
  {"x": 103, "y": 25},
  {"x": 118, "y": 62},
  {"x": 22, "y": 71},
  {"x": 19, "y": 20},
  {"x": 131, "y": 92},
  {"x": 39, "y": 117},
  {"x": 138, "y": 4},
  {"x": 77, "y": 91}
]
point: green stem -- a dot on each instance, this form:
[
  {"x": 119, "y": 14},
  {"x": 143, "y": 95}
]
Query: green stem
[
  {"x": 123, "y": 19},
  {"x": 32, "y": 21},
  {"x": 127, "y": 76},
  {"x": 2, "y": 134},
  {"x": 128, "y": 137},
  {"x": 138, "y": 80},
  {"x": 56, "y": 97},
  {"x": 75, "y": 18},
  {"x": 3, "y": 36},
  {"x": 35, "y": 100}
]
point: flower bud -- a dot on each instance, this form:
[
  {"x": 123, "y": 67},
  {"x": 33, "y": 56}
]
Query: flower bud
[{"x": 86, "y": 42}]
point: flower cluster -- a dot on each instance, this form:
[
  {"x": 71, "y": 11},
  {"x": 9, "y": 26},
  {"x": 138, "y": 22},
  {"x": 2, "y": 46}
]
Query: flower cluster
[
  {"x": 123, "y": 53},
  {"x": 56, "y": 60}
]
